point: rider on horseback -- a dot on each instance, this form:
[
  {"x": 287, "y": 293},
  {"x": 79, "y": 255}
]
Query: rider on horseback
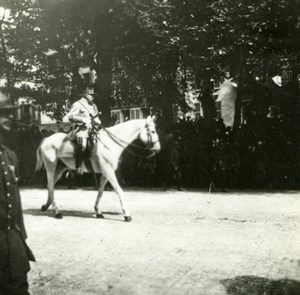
[{"x": 83, "y": 113}]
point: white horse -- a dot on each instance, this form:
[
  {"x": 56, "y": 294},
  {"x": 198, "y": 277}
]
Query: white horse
[{"x": 56, "y": 153}]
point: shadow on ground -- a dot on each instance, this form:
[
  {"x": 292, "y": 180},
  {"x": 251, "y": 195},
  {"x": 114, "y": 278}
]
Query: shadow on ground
[
  {"x": 81, "y": 214},
  {"x": 252, "y": 285}
]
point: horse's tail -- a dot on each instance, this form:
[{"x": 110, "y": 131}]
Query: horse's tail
[{"x": 39, "y": 159}]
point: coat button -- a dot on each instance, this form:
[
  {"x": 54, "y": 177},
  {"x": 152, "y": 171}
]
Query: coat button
[
  {"x": 3, "y": 163},
  {"x": 8, "y": 194},
  {"x": 9, "y": 206},
  {"x": 8, "y": 183},
  {"x": 5, "y": 172},
  {"x": 8, "y": 227}
]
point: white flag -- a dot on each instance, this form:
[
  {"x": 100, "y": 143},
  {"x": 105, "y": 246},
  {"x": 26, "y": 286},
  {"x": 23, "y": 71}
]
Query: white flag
[{"x": 227, "y": 97}]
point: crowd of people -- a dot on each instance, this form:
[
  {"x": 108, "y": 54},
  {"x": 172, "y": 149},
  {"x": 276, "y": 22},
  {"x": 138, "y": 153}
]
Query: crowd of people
[{"x": 261, "y": 154}]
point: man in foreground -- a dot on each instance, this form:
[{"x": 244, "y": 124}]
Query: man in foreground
[{"x": 14, "y": 252}]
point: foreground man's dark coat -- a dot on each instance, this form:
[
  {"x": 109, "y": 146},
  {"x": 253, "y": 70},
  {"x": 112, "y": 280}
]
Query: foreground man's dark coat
[{"x": 14, "y": 252}]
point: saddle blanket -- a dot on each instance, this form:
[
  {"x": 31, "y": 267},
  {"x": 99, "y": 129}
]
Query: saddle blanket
[{"x": 67, "y": 149}]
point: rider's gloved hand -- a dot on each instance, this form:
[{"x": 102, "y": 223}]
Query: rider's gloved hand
[{"x": 97, "y": 123}]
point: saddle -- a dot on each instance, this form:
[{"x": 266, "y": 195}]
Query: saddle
[{"x": 68, "y": 150}]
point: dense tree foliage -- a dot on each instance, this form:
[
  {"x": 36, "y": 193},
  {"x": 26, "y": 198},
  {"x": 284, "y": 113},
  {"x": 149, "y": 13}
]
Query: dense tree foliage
[{"x": 143, "y": 49}]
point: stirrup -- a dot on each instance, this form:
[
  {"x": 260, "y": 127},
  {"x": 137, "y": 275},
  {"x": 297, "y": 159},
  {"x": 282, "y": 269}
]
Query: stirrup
[{"x": 79, "y": 170}]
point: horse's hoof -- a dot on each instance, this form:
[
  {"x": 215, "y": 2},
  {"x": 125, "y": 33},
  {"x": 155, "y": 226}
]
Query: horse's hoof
[
  {"x": 100, "y": 216},
  {"x": 44, "y": 208},
  {"x": 58, "y": 216},
  {"x": 128, "y": 218}
]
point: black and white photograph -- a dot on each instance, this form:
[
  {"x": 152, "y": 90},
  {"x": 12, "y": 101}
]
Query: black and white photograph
[{"x": 149, "y": 147}]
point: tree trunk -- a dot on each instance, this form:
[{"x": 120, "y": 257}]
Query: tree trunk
[
  {"x": 103, "y": 86},
  {"x": 241, "y": 83},
  {"x": 238, "y": 107},
  {"x": 76, "y": 84},
  {"x": 207, "y": 101},
  {"x": 5, "y": 58}
]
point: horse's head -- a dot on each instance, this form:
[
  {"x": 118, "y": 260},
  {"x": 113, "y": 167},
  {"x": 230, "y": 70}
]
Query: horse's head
[{"x": 149, "y": 136}]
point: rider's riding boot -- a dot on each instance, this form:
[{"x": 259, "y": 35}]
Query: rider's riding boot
[{"x": 78, "y": 161}]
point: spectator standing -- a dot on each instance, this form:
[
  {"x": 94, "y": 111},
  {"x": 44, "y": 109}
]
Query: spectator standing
[{"x": 14, "y": 252}]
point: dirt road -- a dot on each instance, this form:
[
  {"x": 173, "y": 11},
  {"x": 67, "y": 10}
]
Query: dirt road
[{"x": 178, "y": 243}]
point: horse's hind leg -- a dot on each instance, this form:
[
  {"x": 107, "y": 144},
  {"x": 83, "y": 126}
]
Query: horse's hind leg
[
  {"x": 60, "y": 169},
  {"x": 103, "y": 182},
  {"x": 50, "y": 169},
  {"x": 54, "y": 173},
  {"x": 111, "y": 176}
]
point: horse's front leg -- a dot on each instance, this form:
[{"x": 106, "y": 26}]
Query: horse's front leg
[
  {"x": 103, "y": 182},
  {"x": 111, "y": 176}
]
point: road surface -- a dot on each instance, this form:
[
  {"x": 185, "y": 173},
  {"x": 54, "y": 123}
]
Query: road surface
[{"x": 177, "y": 243}]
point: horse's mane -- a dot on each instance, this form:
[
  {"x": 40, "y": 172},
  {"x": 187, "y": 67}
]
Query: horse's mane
[{"x": 119, "y": 128}]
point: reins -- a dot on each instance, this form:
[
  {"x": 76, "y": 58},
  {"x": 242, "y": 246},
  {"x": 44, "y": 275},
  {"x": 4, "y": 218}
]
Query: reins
[{"x": 124, "y": 143}]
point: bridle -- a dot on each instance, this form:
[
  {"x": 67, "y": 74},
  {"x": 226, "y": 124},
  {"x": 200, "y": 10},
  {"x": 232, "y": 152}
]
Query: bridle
[
  {"x": 148, "y": 145},
  {"x": 150, "y": 142}
]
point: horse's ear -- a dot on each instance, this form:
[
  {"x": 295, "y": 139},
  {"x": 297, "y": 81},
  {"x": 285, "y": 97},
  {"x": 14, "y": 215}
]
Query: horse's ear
[{"x": 149, "y": 120}]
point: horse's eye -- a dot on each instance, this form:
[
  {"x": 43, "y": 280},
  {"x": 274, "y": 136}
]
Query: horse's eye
[{"x": 153, "y": 131}]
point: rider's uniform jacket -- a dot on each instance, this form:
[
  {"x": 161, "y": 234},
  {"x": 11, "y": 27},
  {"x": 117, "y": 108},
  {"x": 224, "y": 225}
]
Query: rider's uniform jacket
[
  {"x": 80, "y": 114},
  {"x": 14, "y": 252},
  {"x": 81, "y": 111}
]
